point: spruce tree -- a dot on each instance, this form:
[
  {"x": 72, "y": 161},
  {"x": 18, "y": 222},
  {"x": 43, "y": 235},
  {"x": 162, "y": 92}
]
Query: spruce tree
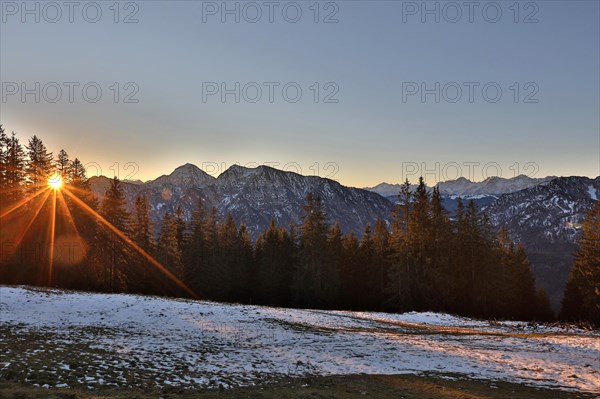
[
  {"x": 142, "y": 228},
  {"x": 398, "y": 289},
  {"x": 14, "y": 174},
  {"x": 39, "y": 163},
  {"x": 169, "y": 252},
  {"x": 118, "y": 256},
  {"x": 315, "y": 281},
  {"x": 582, "y": 295},
  {"x": 195, "y": 252}
]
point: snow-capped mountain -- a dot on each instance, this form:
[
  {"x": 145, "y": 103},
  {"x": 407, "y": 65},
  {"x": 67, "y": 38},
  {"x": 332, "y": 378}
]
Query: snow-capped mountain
[
  {"x": 254, "y": 196},
  {"x": 388, "y": 190},
  {"x": 545, "y": 215},
  {"x": 467, "y": 189},
  {"x": 492, "y": 186},
  {"x": 547, "y": 219}
]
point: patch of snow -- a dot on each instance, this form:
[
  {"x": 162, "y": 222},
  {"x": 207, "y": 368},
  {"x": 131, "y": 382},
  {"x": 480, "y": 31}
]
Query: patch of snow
[
  {"x": 198, "y": 343},
  {"x": 592, "y": 192}
]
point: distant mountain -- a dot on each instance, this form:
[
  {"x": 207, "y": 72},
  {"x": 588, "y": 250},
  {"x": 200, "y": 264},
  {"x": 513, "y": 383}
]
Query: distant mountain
[
  {"x": 187, "y": 175},
  {"x": 465, "y": 188},
  {"x": 388, "y": 190},
  {"x": 543, "y": 214},
  {"x": 547, "y": 219},
  {"x": 254, "y": 196},
  {"x": 492, "y": 186}
]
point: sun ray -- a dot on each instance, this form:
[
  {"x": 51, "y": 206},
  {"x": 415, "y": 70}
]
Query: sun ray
[
  {"x": 147, "y": 256},
  {"x": 35, "y": 215},
  {"x": 68, "y": 214},
  {"x": 23, "y": 202},
  {"x": 52, "y": 238},
  {"x": 18, "y": 188}
]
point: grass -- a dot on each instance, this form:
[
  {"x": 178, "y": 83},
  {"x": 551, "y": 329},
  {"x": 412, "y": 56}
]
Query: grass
[{"x": 346, "y": 387}]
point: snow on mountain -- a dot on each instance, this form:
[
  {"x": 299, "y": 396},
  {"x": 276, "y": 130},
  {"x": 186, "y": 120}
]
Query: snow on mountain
[
  {"x": 492, "y": 186},
  {"x": 388, "y": 190},
  {"x": 483, "y": 193},
  {"x": 547, "y": 218},
  {"x": 149, "y": 342},
  {"x": 254, "y": 196}
]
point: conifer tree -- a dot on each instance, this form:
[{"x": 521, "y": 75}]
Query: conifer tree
[
  {"x": 14, "y": 172},
  {"x": 3, "y": 159},
  {"x": 113, "y": 209},
  {"x": 349, "y": 272},
  {"x": 382, "y": 255},
  {"x": 582, "y": 295},
  {"x": 398, "y": 290},
  {"x": 142, "y": 228},
  {"x": 39, "y": 163},
  {"x": 62, "y": 165},
  {"x": 195, "y": 251},
  {"x": 273, "y": 273},
  {"x": 168, "y": 248},
  {"x": 315, "y": 279}
]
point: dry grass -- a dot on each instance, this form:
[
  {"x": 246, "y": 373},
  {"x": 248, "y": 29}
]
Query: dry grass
[{"x": 346, "y": 387}]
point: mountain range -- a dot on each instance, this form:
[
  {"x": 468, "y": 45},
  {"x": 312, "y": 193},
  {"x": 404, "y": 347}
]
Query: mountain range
[{"x": 544, "y": 214}]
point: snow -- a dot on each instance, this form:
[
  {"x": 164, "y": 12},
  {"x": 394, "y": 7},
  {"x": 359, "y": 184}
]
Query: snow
[
  {"x": 592, "y": 191},
  {"x": 198, "y": 343}
]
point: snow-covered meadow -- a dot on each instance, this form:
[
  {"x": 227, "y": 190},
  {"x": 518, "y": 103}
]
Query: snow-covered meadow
[{"x": 58, "y": 338}]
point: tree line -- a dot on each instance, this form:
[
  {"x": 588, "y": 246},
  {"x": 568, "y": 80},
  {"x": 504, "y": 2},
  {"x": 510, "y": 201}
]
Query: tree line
[{"x": 423, "y": 260}]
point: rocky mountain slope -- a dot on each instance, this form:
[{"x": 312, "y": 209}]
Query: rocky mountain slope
[
  {"x": 547, "y": 219},
  {"x": 254, "y": 196},
  {"x": 543, "y": 214}
]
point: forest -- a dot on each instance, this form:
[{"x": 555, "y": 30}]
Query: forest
[{"x": 61, "y": 235}]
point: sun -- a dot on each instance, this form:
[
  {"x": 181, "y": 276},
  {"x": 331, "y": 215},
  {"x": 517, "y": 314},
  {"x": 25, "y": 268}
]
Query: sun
[{"x": 55, "y": 182}]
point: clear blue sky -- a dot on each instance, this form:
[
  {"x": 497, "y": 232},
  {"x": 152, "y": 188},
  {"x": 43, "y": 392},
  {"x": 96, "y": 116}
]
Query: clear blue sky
[{"x": 373, "y": 49}]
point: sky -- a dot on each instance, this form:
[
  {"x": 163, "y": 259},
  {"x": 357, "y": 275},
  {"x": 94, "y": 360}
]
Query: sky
[{"x": 387, "y": 91}]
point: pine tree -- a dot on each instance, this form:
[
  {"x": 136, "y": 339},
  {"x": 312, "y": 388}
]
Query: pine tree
[
  {"x": 142, "y": 229},
  {"x": 169, "y": 252},
  {"x": 273, "y": 273},
  {"x": 582, "y": 295},
  {"x": 14, "y": 172},
  {"x": 440, "y": 271},
  {"x": 62, "y": 165},
  {"x": 368, "y": 270},
  {"x": 382, "y": 255},
  {"x": 3, "y": 160},
  {"x": 39, "y": 163},
  {"x": 398, "y": 290},
  {"x": 349, "y": 271},
  {"x": 113, "y": 210},
  {"x": 195, "y": 251},
  {"x": 315, "y": 281}
]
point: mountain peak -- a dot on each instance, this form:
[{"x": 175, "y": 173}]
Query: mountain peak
[{"x": 185, "y": 175}]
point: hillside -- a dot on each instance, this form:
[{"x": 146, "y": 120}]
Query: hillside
[{"x": 72, "y": 339}]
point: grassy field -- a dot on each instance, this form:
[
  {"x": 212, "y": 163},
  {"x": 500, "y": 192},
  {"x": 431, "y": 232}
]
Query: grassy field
[
  {"x": 69, "y": 345},
  {"x": 346, "y": 387}
]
